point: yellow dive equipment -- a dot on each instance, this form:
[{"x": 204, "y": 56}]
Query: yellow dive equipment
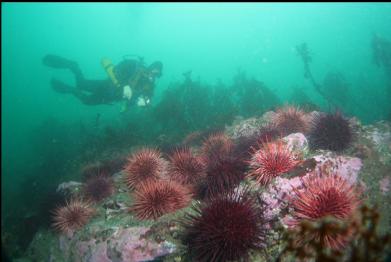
[{"x": 109, "y": 67}]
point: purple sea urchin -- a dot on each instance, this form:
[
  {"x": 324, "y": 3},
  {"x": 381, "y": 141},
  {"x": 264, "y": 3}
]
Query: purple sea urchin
[
  {"x": 98, "y": 187},
  {"x": 223, "y": 173},
  {"x": 225, "y": 229},
  {"x": 330, "y": 132}
]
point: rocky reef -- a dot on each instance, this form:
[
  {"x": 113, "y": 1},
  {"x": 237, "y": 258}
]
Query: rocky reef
[{"x": 115, "y": 234}]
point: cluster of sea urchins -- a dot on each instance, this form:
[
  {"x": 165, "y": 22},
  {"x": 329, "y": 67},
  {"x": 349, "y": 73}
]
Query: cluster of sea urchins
[
  {"x": 155, "y": 195},
  {"x": 225, "y": 228},
  {"x": 229, "y": 221}
]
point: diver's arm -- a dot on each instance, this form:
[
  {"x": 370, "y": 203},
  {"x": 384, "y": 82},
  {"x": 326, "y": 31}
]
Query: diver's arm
[
  {"x": 126, "y": 97},
  {"x": 127, "y": 92}
]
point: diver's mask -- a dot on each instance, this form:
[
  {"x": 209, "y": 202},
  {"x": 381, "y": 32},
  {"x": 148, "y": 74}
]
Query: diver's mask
[{"x": 153, "y": 74}]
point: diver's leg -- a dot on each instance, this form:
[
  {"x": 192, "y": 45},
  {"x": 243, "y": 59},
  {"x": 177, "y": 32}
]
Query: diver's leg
[
  {"x": 94, "y": 86},
  {"x": 55, "y": 61},
  {"x": 90, "y": 100},
  {"x": 61, "y": 87},
  {"x": 87, "y": 99},
  {"x": 101, "y": 92}
]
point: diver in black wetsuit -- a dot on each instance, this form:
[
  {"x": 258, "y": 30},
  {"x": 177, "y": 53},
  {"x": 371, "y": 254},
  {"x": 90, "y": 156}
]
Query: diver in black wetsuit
[{"x": 130, "y": 81}]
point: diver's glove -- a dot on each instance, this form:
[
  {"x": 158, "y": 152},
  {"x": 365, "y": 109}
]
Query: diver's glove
[
  {"x": 127, "y": 92},
  {"x": 143, "y": 102}
]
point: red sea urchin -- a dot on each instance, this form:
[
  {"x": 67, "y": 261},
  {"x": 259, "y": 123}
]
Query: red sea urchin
[
  {"x": 184, "y": 167},
  {"x": 157, "y": 198},
  {"x": 226, "y": 228},
  {"x": 74, "y": 215},
  {"x": 322, "y": 196},
  {"x": 98, "y": 187},
  {"x": 144, "y": 165},
  {"x": 290, "y": 120},
  {"x": 245, "y": 145},
  {"x": 216, "y": 144},
  {"x": 272, "y": 160},
  {"x": 330, "y": 132}
]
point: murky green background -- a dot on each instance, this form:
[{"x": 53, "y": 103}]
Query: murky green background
[{"x": 47, "y": 136}]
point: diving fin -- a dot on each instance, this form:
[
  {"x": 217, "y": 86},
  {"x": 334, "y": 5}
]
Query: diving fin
[
  {"x": 58, "y": 62},
  {"x": 61, "y": 87}
]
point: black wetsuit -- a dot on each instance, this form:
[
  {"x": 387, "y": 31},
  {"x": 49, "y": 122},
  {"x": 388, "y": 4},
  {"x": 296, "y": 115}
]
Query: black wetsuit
[{"x": 95, "y": 92}]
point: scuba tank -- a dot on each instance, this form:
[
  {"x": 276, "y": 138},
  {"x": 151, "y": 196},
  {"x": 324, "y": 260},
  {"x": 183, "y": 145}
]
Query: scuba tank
[
  {"x": 140, "y": 58},
  {"x": 109, "y": 68}
]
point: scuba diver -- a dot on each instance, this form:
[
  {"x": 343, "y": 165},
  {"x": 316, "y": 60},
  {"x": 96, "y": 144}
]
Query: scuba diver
[{"x": 129, "y": 81}]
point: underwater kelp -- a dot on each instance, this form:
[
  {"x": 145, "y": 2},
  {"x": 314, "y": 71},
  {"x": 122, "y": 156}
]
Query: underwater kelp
[
  {"x": 253, "y": 97},
  {"x": 197, "y": 104},
  {"x": 336, "y": 88},
  {"x": 223, "y": 108},
  {"x": 306, "y": 56},
  {"x": 169, "y": 112},
  {"x": 191, "y": 106},
  {"x": 299, "y": 96}
]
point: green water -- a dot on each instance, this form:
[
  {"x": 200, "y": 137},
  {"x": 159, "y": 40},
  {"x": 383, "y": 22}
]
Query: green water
[{"x": 47, "y": 136}]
